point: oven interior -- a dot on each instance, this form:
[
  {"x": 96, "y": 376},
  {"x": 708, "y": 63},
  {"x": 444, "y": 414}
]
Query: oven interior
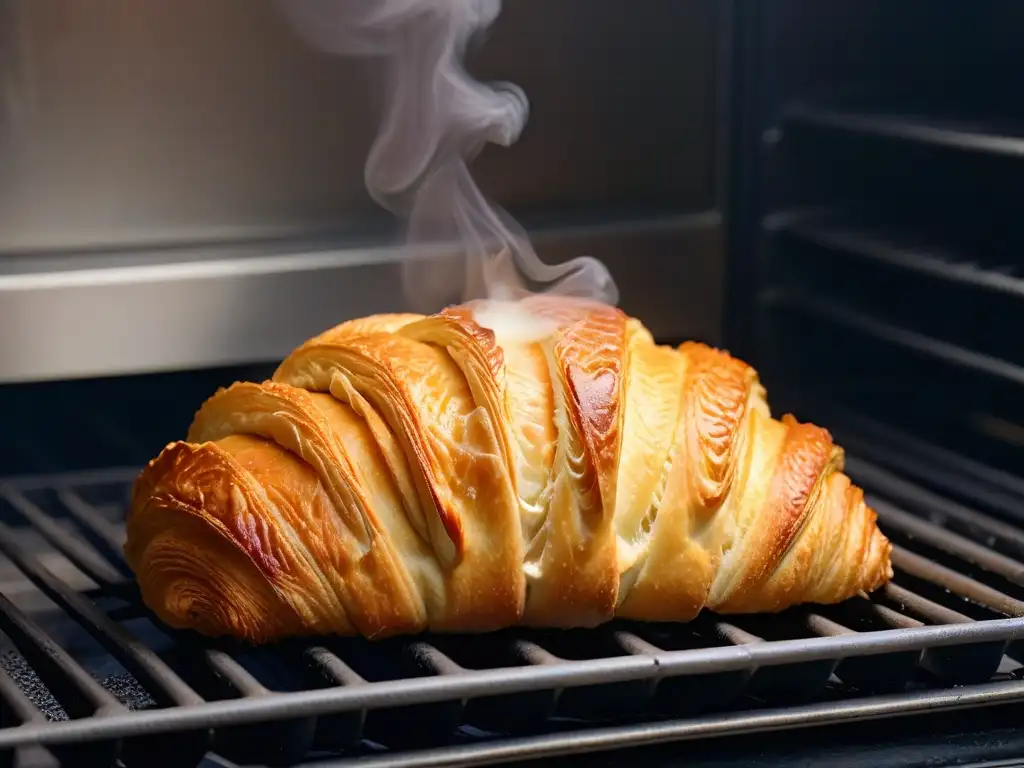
[
  {"x": 858, "y": 179},
  {"x": 874, "y": 239}
]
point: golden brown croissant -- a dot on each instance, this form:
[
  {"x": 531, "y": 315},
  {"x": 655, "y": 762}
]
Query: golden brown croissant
[{"x": 543, "y": 463}]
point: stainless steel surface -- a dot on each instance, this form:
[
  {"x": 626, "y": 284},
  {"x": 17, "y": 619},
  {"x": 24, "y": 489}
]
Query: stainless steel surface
[
  {"x": 127, "y": 123},
  {"x": 148, "y": 148},
  {"x": 193, "y": 309}
]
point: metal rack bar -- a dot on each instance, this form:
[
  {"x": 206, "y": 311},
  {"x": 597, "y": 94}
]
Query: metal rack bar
[
  {"x": 81, "y": 555},
  {"x": 825, "y": 627},
  {"x": 333, "y": 667},
  {"x": 939, "y": 509},
  {"x": 949, "y": 542},
  {"x": 855, "y": 243},
  {"x": 932, "y": 132},
  {"x": 969, "y": 481},
  {"x": 74, "y": 688},
  {"x": 981, "y": 594},
  {"x": 533, "y": 653},
  {"x": 922, "y": 606},
  {"x": 581, "y": 742},
  {"x": 891, "y": 618},
  {"x": 20, "y": 704},
  {"x": 861, "y": 322},
  {"x": 90, "y": 518}
]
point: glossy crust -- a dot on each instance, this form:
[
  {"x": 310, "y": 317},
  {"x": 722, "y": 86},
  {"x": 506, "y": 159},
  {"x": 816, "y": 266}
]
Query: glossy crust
[{"x": 544, "y": 463}]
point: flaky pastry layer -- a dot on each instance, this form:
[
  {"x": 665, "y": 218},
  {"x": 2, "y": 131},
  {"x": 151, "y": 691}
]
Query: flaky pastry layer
[{"x": 543, "y": 463}]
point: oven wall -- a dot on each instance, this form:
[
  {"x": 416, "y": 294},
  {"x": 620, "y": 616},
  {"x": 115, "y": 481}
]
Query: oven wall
[{"x": 158, "y": 159}]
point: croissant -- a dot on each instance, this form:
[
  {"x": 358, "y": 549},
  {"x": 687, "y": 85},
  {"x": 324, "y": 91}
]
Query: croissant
[{"x": 542, "y": 463}]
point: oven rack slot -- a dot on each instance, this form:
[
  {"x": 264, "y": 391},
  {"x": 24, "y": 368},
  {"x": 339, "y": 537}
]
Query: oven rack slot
[
  {"x": 869, "y": 239},
  {"x": 850, "y": 317},
  {"x": 953, "y": 299},
  {"x": 951, "y": 617},
  {"x": 995, "y": 138},
  {"x": 819, "y": 348}
]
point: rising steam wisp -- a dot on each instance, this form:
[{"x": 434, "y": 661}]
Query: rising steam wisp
[{"x": 437, "y": 118}]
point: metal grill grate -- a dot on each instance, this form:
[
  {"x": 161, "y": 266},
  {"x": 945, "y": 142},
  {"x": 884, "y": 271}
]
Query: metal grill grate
[{"x": 85, "y": 664}]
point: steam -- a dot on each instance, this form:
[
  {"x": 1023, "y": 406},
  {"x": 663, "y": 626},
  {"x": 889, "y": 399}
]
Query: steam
[{"x": 437, "y": 118}]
